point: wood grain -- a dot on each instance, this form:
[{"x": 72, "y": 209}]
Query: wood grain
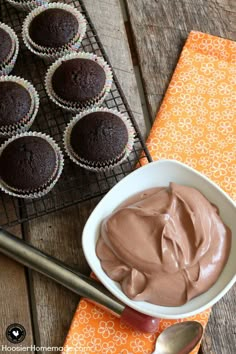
[
  {"x": 53, "y": 306},
  {"x": 160, "y": 29},
  {"x": 108, "y": 21},
  {"x": 59, "y": 234},
  {"x": 220, "y": 336},
  {"x": 14, "y": 303}
]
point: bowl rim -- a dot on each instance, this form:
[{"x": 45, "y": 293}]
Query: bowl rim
[{"x": 136, "y": 304}]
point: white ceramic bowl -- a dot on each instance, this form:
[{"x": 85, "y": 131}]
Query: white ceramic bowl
[{"x": 156, "y": 174}]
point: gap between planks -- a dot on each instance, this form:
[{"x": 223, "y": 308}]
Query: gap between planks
[{"x": 134, "y": 57}]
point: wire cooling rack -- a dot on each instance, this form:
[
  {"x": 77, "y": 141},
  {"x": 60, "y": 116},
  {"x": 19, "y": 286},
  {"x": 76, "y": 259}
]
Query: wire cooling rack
[{"x": 76, "y": 184}]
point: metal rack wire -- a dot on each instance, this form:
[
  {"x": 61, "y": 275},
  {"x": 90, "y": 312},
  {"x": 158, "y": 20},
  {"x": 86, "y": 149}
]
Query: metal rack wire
[{"x": 76, "y": 184}]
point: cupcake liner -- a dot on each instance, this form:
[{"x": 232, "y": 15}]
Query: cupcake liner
[
  {"x": 76, "y": 107},
  {"x": 54, "y": 178},
  {"x": 93, "y": 166},
  {"x": 8, "y": 65},
  {"x": 27, "y": 5},
  {"x": 9, "y": 131},
  {"x": 17, "y": 130},
  {"x": 13, "y": 37},
  {"x": 54, "y": 53},
  {"x": 78, "y": 37},
  {"x": 26, "y": 122}
]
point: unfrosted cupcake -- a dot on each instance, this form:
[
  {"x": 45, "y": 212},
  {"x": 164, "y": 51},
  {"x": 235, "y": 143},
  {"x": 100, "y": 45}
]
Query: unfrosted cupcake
[
  {"x": 30, "y": 165},
  {"x": 27, "y": 5},
  {"x": 78, "y": 81},
  {"x": 19, "y": 103},
  {"x": 54, "y": 30},
  {"x": 9, "y": 48},
  {"x": 99, "y": 139},
  {"x": 6, "y": 46}
]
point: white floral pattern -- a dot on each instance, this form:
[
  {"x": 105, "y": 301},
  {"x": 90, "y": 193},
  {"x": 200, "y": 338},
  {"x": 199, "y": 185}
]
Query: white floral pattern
[
  {"x": 137, "y": 345},
  {"x": 120, "y": 337},
  {"x": 201, "y": 103},
  {"x": 106, "y": 328}
]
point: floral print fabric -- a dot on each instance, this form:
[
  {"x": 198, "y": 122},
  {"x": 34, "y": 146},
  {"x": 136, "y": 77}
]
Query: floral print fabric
[
  {"x": 196, "y": 123},
  {"x": 95, "y": 331}
]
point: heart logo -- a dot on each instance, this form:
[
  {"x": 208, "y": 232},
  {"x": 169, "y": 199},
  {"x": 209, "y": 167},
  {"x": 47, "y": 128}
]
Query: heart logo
[{"x": 16, "y": 333}]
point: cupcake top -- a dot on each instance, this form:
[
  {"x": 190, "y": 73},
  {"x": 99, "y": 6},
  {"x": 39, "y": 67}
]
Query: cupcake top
[
  {"x": 5, "y": 46},
  {"x": 78, "y": 80},
  {"x": 53, "y": 28},
  {"x": 99, "y": 137},
  {"x": 27, "y": 163},
  {"x": 15, "y": 102}
]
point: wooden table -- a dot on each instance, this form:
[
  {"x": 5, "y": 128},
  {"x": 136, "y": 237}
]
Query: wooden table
[{"x": 157, "y": 30}]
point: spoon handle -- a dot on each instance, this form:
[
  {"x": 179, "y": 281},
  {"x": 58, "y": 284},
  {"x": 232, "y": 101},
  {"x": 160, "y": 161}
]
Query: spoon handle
[{"x": 31, "y": 257}]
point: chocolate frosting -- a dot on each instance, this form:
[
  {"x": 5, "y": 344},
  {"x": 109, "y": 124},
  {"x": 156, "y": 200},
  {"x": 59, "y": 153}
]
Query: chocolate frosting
[{"x": 165, "y": 245}]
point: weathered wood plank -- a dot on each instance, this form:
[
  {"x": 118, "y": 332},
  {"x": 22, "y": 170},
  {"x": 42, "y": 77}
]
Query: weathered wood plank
[
  {"x": 14, "y": 301},
  {"x": 220, "y": 335},
  {"x": 160, "y": 29},
  {"x": 60, "y": 234},
  {"x": 107, "y": 19}
]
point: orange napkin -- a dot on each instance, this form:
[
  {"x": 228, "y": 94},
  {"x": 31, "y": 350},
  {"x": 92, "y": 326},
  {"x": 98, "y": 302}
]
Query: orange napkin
[{"x": 195, "y": 125}]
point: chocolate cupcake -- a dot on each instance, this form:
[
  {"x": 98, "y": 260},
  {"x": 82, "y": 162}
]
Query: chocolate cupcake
[
  {"x": 6, "y": 46},
  {"x": 30, "y": 165},
  {"x": 99, "y": 139},
  {"x": 53, "y": 28},
  {"x": 54, "y": 31},
  {"x": 78, "y": 81},
  {"x": 19, "y": 103},
  {"x": 9, "y": 48}
]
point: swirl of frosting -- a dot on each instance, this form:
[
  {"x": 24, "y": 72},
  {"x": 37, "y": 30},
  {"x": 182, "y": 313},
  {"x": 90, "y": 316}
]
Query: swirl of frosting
[{"x": 164, "y": 245}]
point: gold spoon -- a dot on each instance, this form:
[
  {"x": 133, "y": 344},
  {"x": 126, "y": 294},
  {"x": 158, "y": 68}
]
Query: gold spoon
[{"x": 181, "y": 338}]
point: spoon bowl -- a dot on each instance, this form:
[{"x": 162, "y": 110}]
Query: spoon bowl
[{"x": 181, "y": 338}]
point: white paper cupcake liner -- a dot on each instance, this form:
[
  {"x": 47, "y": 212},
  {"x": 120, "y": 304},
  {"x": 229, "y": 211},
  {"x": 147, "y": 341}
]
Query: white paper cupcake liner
[
  {"x": 8, "y": 65},
  {"x": 26, "y": 122},
  {"x": 77, "y": 107},
  {"x": 7, "y": 133},
  {"x": 13, "y": 38},
  {"x": 27, "y": 5},
  {"x": 54, "y": 53},
  {"x": 53, "y": 180},
  {"x": 95, "y": 167}
]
